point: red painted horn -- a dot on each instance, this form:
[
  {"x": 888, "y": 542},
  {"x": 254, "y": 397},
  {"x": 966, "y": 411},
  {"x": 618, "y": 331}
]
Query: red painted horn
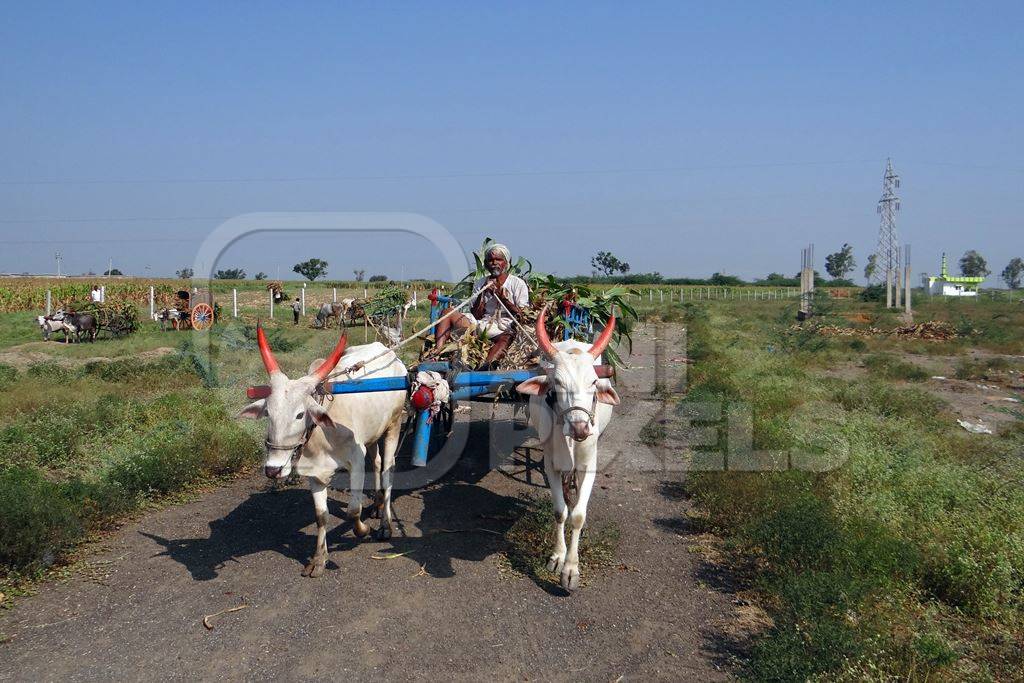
[
  {"x": 332, "y": 360},
  {"x": 269, "y": 362},
  {"x": 542, "y": 336},
  {"x": 602, "y": 341}
]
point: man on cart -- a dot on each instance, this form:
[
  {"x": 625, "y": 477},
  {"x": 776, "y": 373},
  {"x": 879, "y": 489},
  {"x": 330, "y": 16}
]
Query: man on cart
[{"x": 495, "y": 312}]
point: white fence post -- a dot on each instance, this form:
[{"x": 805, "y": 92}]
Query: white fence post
[
  {"x": 303, "y": 299},
  {"x": 335, "y": 294},
  {"x": 234, "y": 303},
  {"x": 366, "y": 294},
  {"x": 152, "y": 302},
  {"x": 271, "y": 303},
  {"x": 49, "y": 302},
  {"x": 103, "y": 294}
]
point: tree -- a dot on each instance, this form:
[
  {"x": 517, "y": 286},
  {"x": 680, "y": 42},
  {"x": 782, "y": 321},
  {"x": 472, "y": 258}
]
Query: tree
[
  {"x": 871, "y": 267},
  {"x": 311, "y": 269},
  {"x": 185, "y": 273},
  {"x": 230, "y": 274},
  {"x": 360, "y": 274},
  {"x": 261, "y": 275},
  {"x": 723, "y": 280},
  {"x": 972, "y": 264},
  {"x": 606, "y": 264},
  {"x": 113, "y": 271},
  {"x": 378, "y": 278},
  {"x": 840, "y": 263},
  {"x": 1012, "y": 273}
]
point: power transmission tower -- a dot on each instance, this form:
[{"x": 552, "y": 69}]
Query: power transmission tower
[{"x": 887, "y": 253}]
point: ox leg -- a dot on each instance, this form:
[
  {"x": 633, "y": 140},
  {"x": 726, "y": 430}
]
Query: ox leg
[
  {"x": 571, "y": 568},
  {"x": 357, "y": 472},
  {"x": 377, "y": 495},
  {"x": 389, "y": 445},
  {"x": 315, "y": 568},
  {"x": 557, "y": 559}
]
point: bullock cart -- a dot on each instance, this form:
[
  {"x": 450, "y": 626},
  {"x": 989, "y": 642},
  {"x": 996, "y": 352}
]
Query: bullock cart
[
  {"x": 433, "y": 404},
  {"x": 187, "y": 314}
]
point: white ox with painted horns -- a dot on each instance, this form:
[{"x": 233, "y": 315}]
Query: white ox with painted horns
[
  {"x": 570, "y": 407},
  {"x": 316, "y": 435}
]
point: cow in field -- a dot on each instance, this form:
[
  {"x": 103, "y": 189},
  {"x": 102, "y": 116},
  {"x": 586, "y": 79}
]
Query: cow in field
[
  {"x": 316, "y": 435},
  {"x": 570, "y": 408}
]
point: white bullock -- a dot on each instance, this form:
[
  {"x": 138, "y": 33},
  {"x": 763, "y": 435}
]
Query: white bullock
[
  {"x": 316, "y": 435},
  {"x": 570, "y": 407}
]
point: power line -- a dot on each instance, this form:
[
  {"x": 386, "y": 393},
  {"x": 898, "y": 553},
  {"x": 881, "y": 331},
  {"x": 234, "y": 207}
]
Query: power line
[{"x": 437, "y": 176}]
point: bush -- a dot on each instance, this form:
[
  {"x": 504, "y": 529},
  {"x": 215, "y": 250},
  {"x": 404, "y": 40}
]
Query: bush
[
  {"x": 36, "y": 521},
  {"x": 51, "y": 372},
  {"x": 70, "y": 470}
]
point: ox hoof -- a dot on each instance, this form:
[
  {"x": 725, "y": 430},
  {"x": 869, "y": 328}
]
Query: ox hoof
[
  {"x": 359, "y": 528},
  {"x": 383, "y": 533},
  {"x": 555, "y": 564},
  {"x": 315, "y": 568},
  {"x": 571, "y": 579}
]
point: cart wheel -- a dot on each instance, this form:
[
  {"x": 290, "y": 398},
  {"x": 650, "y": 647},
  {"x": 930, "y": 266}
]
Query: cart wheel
[{"x": 202, "y": 317}]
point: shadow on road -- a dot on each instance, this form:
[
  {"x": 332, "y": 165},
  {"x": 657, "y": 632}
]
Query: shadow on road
[
  {"x": 269, "y": 520},
  {"x": 459, "y": 520}
]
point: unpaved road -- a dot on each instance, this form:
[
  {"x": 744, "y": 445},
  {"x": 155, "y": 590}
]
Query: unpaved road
[{"x": 462, "y": 616}]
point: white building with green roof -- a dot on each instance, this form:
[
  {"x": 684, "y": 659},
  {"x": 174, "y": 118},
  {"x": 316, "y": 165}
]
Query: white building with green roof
[{"x": 953, "y": 286}]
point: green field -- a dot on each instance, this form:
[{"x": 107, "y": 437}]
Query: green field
[{"x": 907, "y": 560}]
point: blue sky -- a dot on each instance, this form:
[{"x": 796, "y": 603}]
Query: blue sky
[{"x": 685, "y": 138}]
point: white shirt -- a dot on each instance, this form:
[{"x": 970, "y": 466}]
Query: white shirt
[
  {"x": 496, "y": 320},
  {"x": 515, "y": 291},
  {"x": 97, "y": 295}
]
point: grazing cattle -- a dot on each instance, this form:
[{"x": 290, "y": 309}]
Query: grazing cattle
[
  {"x": 570, "y": 407},
  {"x": 316, "y": 435}
]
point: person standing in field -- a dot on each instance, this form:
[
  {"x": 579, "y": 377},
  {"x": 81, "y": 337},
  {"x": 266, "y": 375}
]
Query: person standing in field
[
  {"x": 96, "y": 295},
  {"x": 296, "y": 309},
  {"x": 496, "y": 312}
]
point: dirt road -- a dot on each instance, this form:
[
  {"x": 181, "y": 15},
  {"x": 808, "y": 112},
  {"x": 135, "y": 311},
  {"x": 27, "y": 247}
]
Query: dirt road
[{"x": 445, "y": 609}]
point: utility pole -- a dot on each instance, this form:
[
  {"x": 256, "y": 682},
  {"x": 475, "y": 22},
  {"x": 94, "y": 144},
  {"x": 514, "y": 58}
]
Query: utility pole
[
  {"x": 906, "y": 281},
  {"x": 887, "y": 252}
]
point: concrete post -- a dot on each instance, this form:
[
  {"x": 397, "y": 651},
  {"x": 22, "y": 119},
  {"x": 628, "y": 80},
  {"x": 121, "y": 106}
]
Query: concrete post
[
  {"x": 271, "y": 292},
  {"x": 49, "y": 302},
  {"x": 234, "y": 303},
  {"x": 152, "y": 302},
  {"x": 303, "y": 299},
  {"x": 335, "y": 294}
]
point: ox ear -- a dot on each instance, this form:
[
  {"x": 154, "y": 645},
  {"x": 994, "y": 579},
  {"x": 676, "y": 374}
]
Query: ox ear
[
  {"x": 319, "y": 415},
  {"x": 606, "y": 393},
  {"x": 314, "y": 365},
  {"x": 254, "y": 410},
  {"x": 535, "y": 386}
]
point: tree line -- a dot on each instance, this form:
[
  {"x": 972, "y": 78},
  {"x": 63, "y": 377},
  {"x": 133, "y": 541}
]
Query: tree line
[{"x": 609, "y": 269}]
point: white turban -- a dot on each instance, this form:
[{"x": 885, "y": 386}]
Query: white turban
[{"x": 501, "y": 249}]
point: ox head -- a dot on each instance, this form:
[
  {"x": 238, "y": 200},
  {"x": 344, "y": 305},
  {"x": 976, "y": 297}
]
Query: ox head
[
  {"x": 290, "y": 407},
  {"x": 572, "y": 381}
]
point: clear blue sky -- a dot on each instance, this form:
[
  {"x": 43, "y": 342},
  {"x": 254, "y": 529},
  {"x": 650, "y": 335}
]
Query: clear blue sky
[{"x": 686, "y": 139}]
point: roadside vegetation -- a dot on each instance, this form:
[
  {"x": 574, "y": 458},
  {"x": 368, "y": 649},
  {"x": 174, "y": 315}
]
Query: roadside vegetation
[
  {"x": 82, "y": 446},
  {"x": 893, "y": 547}
]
